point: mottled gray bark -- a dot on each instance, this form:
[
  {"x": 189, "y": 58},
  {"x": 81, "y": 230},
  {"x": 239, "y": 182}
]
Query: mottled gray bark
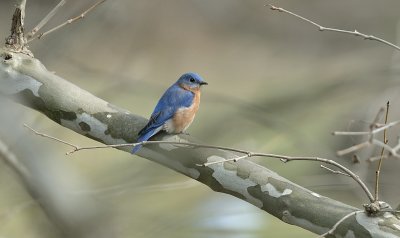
[{"x": 25, "y": 80}]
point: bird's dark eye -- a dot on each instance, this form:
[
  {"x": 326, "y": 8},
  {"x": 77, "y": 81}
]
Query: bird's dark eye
[{"x": 192, "y": 80}]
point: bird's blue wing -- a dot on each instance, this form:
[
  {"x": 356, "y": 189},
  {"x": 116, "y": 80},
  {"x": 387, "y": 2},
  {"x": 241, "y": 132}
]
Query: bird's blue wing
[{"x": 174, "y": 98}]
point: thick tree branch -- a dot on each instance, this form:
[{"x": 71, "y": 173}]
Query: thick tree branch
[
  {"x": 27, "y": 81},
  {"x": 16, "y": 41}
]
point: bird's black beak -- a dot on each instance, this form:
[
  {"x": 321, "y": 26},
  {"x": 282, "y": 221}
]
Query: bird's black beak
[{"x": 203, "y": 83}]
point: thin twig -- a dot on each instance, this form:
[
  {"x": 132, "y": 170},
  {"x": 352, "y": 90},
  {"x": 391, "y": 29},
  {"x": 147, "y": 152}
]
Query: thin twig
[
  {"x": 353, "y": 148},
  {"x": 78, "y": 148},
  {"x": 322, "y": 28},
  {"x": 247, "y": 154},
  {"x": 50, "y": 137},
  {"x": 46, "y": 19},
  {"x": 285, "y": 159},
  {"x": 378, "y": 116},
  {"x": 363, "y": 133},
  {"x": 82, "y": 15},
  {"x": 391, "y": 151},
  {"x": 378, "y": 171},
  {"x": 374, "y": 128},
  {"x": 332, "y": 230},
  {"x": 375, "y": 158},
  {"x": 334, "y": 171}
]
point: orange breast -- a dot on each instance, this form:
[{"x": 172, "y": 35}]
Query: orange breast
[{"x": 184, "y": 117}]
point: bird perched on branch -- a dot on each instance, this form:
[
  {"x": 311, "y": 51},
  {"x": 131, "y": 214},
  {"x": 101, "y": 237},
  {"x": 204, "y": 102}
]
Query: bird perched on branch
[{"x": 176, "y": 108}]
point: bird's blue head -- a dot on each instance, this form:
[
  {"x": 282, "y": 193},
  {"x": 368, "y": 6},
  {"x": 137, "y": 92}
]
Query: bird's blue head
[{"x": 191, "y": 81}]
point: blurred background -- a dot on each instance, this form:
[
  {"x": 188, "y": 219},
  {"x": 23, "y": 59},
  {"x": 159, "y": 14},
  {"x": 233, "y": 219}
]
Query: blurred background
[{"x": 276, "y": 85}]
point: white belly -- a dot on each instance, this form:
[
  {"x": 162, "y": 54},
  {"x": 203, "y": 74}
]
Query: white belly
[{"x": 169, "y": 126}]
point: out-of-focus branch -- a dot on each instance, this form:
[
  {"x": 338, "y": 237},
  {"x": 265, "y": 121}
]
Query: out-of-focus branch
[
  {"x": 373, "y": 130},
  {"x": 12, "y": 161},
  {"x": 46, "y": 19},
  {"x": 89, "y": 216},
  {"x": 80, "y": 16},
  {"x": 322, "y": 28}
]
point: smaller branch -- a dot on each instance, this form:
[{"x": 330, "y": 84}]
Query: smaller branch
[
  {"x": 12, "y": 161},
  {"x": 322, "y": 28},
  {"x": 391, "y": 151},
  {"x": 397, "y": 147},
  {"x": 374, "y": 128},
  {"x": 46, "y": 19},
  {"x": 375, "y": 158},
  {"x": 236, "y": 159},
  {"x": 378, "y": 117},
  {"x": 286, "y": 159},
  {"x": 247, "y": 154},
  {"x": 331, "y": 231},
  {"x": 78, "y": 148},
  {"x": 363, "y": 133},
  {"x": 50, "y": 137},
  {"x": 334, "y": 171},
  {"x": 353, "y": 148},
  {"x": 378, "y": 171},
  {"x": 81, "y": 16}
]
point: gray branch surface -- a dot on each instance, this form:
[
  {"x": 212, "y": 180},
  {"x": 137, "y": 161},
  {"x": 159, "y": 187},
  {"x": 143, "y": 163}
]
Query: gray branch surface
[{"x": 25, "y": 80}]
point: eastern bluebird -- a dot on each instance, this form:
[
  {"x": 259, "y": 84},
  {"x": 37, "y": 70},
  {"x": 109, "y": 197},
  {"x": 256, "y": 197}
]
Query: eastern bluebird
[{"x": 176, "y": 108}]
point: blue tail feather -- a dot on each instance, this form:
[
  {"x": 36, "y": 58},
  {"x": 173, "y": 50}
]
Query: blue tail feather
[
  {"x": 144, "y": 137},
  {"x": 136, "y": 148}
]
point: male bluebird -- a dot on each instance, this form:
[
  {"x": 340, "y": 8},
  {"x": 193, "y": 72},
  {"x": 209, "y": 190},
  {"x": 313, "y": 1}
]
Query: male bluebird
[{"x": 176, "y": 108}]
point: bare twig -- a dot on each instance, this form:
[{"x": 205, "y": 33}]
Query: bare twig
[
  {"x": 374, "y": 128},
  {"x": 285, "y": 159},
  {"x": 332, "y": 230},
  {"x": 247, "y": 154},
  {"x": 334, "y": 171},
  {"x": 78, "y": 148},
  {"x": 363, "y": 133},
  {"x": 82, "y": 15},
  {"x": 322, "y": 28},
  {"x": 46, "y": 19},
  {"x": 378, "y": 117},
  {"x": 50, "y": 137},
  {"x": 392, "y": 151},
  {"x": 378, "y": 171},
  {"x": 353, "y": 148},
  {"x": 375, "y": 158}
]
